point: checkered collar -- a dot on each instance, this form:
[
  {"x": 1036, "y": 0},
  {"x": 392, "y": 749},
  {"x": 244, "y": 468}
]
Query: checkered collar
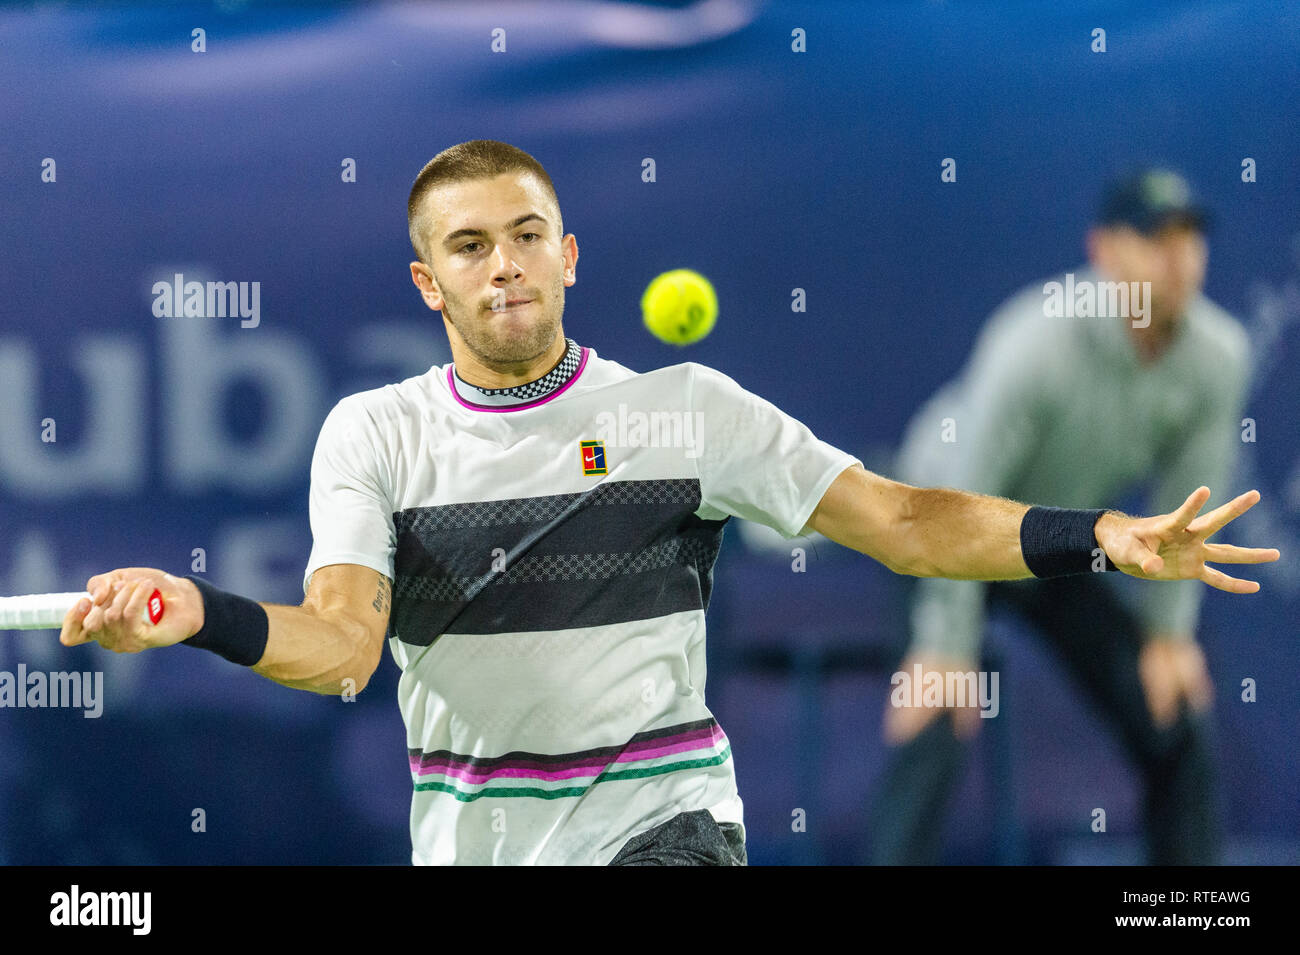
[{"x": 528, "y": 392}]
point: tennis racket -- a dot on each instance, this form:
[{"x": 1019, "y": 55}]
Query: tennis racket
[{"x": 46, "y": 611}]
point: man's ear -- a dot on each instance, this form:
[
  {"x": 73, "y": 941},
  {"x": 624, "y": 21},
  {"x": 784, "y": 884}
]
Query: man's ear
[
  {"x": 422, "y": 276},
  {"x": 570, "y": 243},
  {"x": 1098, "y": 249}
]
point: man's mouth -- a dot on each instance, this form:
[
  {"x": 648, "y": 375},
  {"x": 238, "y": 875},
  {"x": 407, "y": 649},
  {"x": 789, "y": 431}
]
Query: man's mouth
[{"x": 510, "y": 304}]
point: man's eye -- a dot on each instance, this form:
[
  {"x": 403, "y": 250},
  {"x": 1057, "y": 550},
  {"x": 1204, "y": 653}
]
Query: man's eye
[{"x": 465, "y": 249}]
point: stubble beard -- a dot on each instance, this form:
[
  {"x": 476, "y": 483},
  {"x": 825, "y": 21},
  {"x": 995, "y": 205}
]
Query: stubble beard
[{"x": 496, "y": 339}]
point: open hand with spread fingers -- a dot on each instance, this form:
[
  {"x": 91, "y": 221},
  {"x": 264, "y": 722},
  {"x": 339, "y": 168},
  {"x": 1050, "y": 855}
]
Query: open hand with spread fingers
[{"x": 1176, "y": 546}]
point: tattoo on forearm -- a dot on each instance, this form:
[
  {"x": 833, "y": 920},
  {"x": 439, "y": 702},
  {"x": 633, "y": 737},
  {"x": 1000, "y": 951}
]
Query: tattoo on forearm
[{"x": 383, "y": 597}]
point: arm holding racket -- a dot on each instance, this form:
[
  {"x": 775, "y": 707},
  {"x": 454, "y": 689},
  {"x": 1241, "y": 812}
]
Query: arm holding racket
[{"x": 331, "y": 643}]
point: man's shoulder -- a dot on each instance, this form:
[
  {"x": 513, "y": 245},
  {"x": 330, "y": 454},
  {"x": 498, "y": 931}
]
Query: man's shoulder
[
  {"x": 1217, "y": 331},
  {"x": 1045, "y": 298},
  {"x": 391, "y": 400},
  {"x": 1022, "y": 326},
  {"x": 602, "y": 372},
  {"x": 687, "y": 383}
]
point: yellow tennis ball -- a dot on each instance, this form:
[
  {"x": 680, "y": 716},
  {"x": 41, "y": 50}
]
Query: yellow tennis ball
[{"x": 679, "y": 307}]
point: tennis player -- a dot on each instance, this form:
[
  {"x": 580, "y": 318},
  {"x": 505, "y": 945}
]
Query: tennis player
[{"x": 540, "y": 559}]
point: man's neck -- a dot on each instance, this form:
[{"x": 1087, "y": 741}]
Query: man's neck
[
  {"x": 1154, "y": 340},
  {"x": 470, "y": 369}
]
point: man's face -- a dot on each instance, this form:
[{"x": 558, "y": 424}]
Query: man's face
[
  {"x": 1173, "y": 260},
  {"x": 493, "y": 244}
]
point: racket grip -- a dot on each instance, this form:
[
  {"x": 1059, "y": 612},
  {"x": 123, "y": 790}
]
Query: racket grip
[
  {"x": 46, "y": 611},
  {"x": 37, "y": 611}
]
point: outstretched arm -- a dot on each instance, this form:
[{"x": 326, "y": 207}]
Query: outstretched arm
[
  {"x": 336, "y": 636},
  {"x": 941, "y": 532},
  {"x": 923, "y": 532}
]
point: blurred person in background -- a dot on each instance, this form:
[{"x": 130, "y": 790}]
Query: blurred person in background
[{"x": 1065, "y": 401}]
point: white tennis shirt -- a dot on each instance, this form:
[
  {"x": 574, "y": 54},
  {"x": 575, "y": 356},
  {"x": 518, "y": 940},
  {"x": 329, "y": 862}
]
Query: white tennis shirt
[{"x": 551, "y": 548}]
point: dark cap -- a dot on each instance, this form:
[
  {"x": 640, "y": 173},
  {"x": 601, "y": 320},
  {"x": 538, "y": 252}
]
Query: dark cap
[{"x": 1151, "y": 199}]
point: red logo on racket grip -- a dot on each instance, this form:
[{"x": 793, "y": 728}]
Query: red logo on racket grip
[{"x": 155, "y": 606}]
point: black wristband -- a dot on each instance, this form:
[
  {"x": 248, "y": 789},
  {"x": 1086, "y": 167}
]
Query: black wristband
[
  {"x": 234, "y": 627},
  {"x": 1056, "y": 541}
]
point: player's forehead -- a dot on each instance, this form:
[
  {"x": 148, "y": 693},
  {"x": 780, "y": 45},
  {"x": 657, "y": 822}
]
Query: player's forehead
[{"x": 489, "y": 204}]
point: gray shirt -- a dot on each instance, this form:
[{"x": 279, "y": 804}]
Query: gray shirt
[{"x": 1061, "y": 411}]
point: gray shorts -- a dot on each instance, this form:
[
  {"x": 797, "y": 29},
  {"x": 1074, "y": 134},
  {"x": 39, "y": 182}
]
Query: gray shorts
[{"x": 689, "y": 838}]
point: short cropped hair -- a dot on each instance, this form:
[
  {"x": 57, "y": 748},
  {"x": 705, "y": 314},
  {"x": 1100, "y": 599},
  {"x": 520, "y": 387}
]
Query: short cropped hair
[{"x": 476, "y": 159}]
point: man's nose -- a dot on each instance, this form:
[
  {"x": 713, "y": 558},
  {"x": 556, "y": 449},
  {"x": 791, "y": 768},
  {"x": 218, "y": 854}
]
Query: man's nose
[{"x": 503, "y": 265}]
